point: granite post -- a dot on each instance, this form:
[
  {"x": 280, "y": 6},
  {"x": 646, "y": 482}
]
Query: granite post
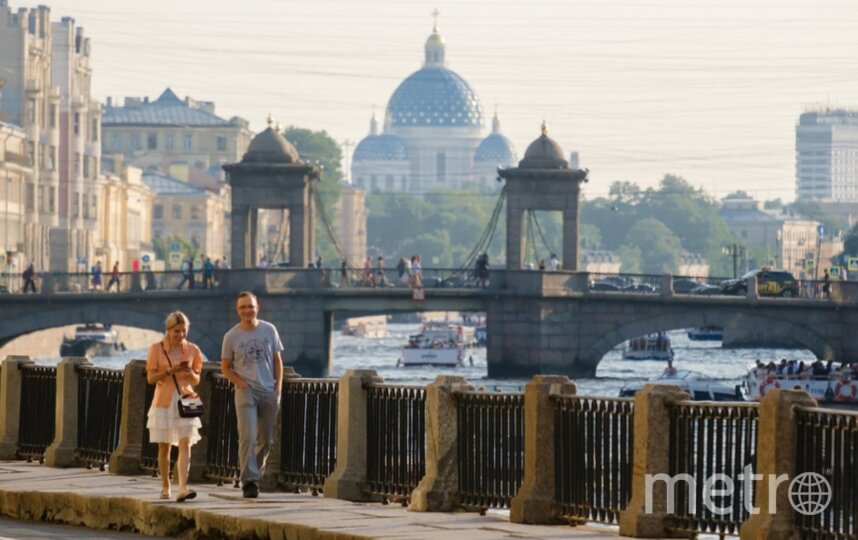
[
  {"x": 10, "y": 404},
  {"x": 61, "y": 452},
  {"x": 129, "y": 452}
]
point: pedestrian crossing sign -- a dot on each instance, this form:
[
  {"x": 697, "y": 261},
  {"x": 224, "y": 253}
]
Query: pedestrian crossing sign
[
  {"x": 808, "y": 265},
  {"x": 834, "y": 271},
  {"x": 852, "y": 264}
]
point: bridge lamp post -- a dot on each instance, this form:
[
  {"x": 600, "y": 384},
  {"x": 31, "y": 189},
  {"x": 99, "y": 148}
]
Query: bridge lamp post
[{"x": 734, "y": 250}]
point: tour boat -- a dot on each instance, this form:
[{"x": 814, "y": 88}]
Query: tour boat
[
  {"x": 838, "y": 387},
  {"x": 706, "y": 333},
  {"x": 92, "y": 340},
  {"x": 371, "y": 326},
  {"x": 697, "y": 385},
  {"x": 438, "y": 344},
  {"x": 649, "y": 347}
]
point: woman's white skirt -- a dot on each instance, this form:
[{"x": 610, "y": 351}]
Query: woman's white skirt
[{"x": 166, "y": 426}]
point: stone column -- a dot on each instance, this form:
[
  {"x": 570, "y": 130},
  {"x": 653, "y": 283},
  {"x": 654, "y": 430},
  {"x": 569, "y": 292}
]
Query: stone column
[
  {"x": 126, "y": 458},
  {"x": 570, "y": 235},
  {"x": 238, "y": 224},
  {"x": 348, "y": 481},
  {"x": 651, "y": 451},
  {"x": 200, "y": 450},
  {"x": 298, "y": 237},
  {"x": 776, "y": 456},
  {"x": 61, "y": 452},
  {"x": 271, "y": 476},
  {"x": 535, "y": 502},
  {"x": 10, "y": 404},
  {"x": 438, "y": 489},
  {"x": 514, "y": 237}
]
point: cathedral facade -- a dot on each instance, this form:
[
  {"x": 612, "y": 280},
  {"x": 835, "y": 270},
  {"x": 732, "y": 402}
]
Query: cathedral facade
[{"x": 433, "y": 135}]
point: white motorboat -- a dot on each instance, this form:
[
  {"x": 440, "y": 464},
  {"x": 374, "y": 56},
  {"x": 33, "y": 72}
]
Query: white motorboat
[
  {"x": 649, "y": 347},
  {"x": 698, "y": 386},
  {"x": 706, "y": 333},
  {"x": 438, "y": 344},
  {"x": 92, "y": 340},
  {"x": 840, "y": 386},
  {"x": 372, "y": 326}
]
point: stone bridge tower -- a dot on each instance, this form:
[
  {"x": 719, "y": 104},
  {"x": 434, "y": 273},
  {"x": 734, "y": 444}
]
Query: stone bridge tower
[
  {"x": 272, "y": 176},
  {"x": 542, "y": 181}
]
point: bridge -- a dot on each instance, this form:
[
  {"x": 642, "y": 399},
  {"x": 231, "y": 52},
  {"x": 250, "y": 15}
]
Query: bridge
[{"x": 537, "y": 322}]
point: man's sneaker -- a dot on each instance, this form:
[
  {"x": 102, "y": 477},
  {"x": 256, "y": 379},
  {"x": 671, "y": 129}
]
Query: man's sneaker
[{"x": 250, "y": 490}]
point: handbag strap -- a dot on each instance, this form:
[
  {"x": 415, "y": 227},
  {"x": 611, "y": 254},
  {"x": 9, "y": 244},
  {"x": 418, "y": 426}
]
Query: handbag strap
[{"x": 171, "y": 365}]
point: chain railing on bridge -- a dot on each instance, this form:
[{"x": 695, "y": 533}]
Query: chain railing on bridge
[
  {"x": 707, "y": 439},
  {"x": 593, "y": 454},
  {"x": 827, "y": 442},
  {"x": 99, "y": 412},
  {"x": 38, "y": 410},
  {"x": 491, "y": 447},
  {"x": 396, "y": 449},
  {"x": 308, "y": 432}
]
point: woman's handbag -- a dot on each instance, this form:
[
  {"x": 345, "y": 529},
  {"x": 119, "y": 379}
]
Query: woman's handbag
[{"x": 189, "y": 407}]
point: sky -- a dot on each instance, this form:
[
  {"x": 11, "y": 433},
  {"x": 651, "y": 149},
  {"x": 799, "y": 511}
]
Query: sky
[{"x": 707, "y": 90}]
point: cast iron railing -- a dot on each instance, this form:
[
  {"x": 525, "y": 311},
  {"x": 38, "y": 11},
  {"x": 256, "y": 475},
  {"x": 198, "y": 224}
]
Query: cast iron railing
[
  {"x": 149, "y": 452},
  {"x": 593, "y": 446},
  {"x": 99, "y": 412},
  {"x": 36, "y": 422},
  {"x": 222, "y": 452},
  {"x": 308, "y": 431},
  {"x": 491, "y": 447},
  {"x": 827, "y": 442},
  {"x": 396, "y": 449},
  {"x": 707, "y": 439}
]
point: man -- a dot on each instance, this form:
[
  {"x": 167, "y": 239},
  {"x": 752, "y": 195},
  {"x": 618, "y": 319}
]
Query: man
[
  {"x": 114, "y": 277},
  {"x": 826, "y": 285},
  {"x": 208, "y": 274},
  {"x": 29, "y": 282},
  {"x": 250, "y": 359}
]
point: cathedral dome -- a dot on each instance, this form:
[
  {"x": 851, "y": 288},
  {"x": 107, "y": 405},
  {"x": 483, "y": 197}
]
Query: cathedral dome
[
  {"x": 380, "y": 148},
  {"x": 434, "y": 96},
  {"x": 496, "y": 149},
  {"x": 543, "y": 153},
  {"x": 271, "y": 146}
]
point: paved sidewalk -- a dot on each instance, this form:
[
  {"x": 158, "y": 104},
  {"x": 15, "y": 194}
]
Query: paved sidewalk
[{"x": 100, "y": 500}]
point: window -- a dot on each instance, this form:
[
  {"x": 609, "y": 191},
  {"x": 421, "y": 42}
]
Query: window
[
  {"x": 31, "y": 110},
  {"x": 177, "y": 211},
  {"x": 116, "y": 141},
  {"x": 31, "y": 197},
  {"x": 85, "y": 206},
  {"x": 195, "y": 212},
  {"x": 152, "y": 141},
  {"x": 373, "y": 184},
  {"x": 189, "y": 141},
  {"x": 440, "y": 166},
  {"x": 221, "y": 143},
  {"x": 158, "y": 211},
  {"x": 31, "y": 151},
  {"x": 76, "y": 124},
  {"x": 52, "y": 199},
  {"x": 75, "y": 205},
  {"x": 41, "y": 198},
  {"x": 76, "y": 164},
  {"x": 135, "y": 141},
  {"x": 51, "y": 164},
  {"x": 86, "y": 166},
  {"x": 53, "y": 119},
  {"x": 94, "y": 130},
  {"x": 169, "y": 142}
]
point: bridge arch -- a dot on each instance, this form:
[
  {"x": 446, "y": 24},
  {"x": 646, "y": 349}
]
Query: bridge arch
[
  {"x": 775, "y": 327},
  {"x": 98, "y": 312}
]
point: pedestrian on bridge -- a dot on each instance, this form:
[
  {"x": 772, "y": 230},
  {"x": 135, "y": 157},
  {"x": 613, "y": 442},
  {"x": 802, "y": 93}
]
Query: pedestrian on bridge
[
  {"x": 173, "y": 365},
  {"x": 114, "y": 277},
  {"x": 96, "y": 276},
  {"x": 250, "y": 359},
  {"x": 29, "y": 281}
]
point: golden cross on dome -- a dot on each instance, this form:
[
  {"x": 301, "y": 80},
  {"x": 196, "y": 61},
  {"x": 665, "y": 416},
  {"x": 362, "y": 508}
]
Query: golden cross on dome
[
  {"x": 544, "y": 127},
  {"x": 435, "y": 14},
  {"x": 270, "y": 120}
]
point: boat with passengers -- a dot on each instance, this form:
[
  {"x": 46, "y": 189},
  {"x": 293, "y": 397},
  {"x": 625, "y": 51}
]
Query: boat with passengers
[
  {"x": 438, "y": 344},
  {"x": 697, "y": 385},
  {"x": 827, "y": 382},
  {"x": 92, "y": 339},
  {"x": 650, "y": 347}
]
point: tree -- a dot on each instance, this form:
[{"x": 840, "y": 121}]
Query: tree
[
  {"x": 660, "y": 249},
  {"x": 162, "y": 246},
  {"x": 850, "y": 241}
]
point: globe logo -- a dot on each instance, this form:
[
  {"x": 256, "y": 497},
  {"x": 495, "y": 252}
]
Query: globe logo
[{"x": 809, "y": 493}]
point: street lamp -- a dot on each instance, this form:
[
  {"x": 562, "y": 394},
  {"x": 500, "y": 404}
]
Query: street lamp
[{"x": 735, "y": 251}]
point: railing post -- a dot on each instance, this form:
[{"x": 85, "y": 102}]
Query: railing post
[
  {"x": 535, "y": 502},
  {"x": 271, "y": 478},
  {"x": 776, "y": 456},
  {"x": 61, "y": 452},
  {"x": 751, "y": 293},
  {"x": 438, "y": 489},
  {"x": 10, "y": 404},
  {"x": 199, "y": 451},
  {"x": 136, "y": 282},
  {"x": 348, "y": 481},
  {"x": 48, "y": 283},
  {"x": 666, "y": 285},
  {"x": 128, "y": 454},
  {"x": 646, "y": 515}
]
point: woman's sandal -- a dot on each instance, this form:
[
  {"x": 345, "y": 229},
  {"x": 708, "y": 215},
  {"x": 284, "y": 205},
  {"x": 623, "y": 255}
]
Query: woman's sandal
[
  {"x": 165, "y": 493},
  {"x": 186, "y": 496}
]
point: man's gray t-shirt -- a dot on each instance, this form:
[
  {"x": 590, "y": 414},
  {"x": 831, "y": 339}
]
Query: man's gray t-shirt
[{"x": 252, "y": 353}]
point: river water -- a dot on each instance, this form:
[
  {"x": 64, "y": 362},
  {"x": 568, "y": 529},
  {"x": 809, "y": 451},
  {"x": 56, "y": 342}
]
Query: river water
[{"x": 381, "y": 354}]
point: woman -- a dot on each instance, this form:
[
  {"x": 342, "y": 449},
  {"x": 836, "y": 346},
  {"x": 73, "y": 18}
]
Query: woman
[{"x": 174, "y": 356}]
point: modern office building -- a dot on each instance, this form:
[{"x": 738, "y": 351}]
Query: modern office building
[{"x": 826, "y": 144}]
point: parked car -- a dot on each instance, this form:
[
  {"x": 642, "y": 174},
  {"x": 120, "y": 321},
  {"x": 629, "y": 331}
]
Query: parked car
[
  {"x": 604, "y": 286},
  {"x": 684, "y": 285},
  {"x": 641, "y": 287},
  {"x": 706, "y": 289},
  {"x": 769, "y": 283}
]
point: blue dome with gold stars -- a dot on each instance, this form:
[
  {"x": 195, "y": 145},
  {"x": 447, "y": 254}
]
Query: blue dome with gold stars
[{"x": 434, "y": 96}]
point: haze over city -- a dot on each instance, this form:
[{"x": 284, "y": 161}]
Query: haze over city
[{"x": 706, "y": 90}]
